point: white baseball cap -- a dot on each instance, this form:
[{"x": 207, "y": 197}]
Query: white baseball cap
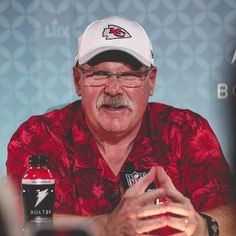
[{"x": 115, "y": 33}]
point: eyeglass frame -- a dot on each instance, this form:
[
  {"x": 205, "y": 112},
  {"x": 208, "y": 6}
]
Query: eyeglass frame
[{"x": 109, "y": 74}]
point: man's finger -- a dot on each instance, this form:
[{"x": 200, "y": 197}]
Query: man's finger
[
  {"x": 174, "y": 208},
  {"x": 149, "y": 198},
  {"x": 155, "y": 223},
  {"x": 181, "y": 224},
  {"x": 148, "y": 225},
  {"x": 175, "y": 195},
  {"x": 166, "y": 183},
  {"x": 140, "y": 187},
  {"x": 164, "y": 208}
]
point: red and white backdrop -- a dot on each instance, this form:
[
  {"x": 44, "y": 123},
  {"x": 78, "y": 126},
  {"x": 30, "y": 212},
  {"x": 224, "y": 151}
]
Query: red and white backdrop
[{"x": 194, "y": 45}]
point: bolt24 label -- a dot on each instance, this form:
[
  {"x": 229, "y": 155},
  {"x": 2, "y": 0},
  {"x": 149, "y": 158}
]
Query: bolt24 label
[{"x": 38, "y": 198}]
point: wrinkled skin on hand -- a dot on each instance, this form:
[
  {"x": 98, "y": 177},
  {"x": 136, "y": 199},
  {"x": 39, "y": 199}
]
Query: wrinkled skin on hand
[{"x": 138, "y": 215}]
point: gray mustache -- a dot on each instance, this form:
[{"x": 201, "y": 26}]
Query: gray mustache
[{"x": 114, "y": 102}]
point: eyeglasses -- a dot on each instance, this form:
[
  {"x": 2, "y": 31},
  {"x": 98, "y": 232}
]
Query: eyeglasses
[{"x": 130, "y": 79}]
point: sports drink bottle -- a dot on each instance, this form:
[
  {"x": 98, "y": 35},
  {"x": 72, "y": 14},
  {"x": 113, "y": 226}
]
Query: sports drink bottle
[{"x": 38, "y": 191}]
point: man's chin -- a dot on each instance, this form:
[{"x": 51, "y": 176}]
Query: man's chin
[{"x": 114, "y": 126}]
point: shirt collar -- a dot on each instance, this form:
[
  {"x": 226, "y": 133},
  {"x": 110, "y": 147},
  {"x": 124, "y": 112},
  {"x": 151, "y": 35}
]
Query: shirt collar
[{"x": 86, "y": 150}]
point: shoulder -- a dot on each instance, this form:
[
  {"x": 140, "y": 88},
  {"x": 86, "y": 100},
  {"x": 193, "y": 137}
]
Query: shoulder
[
  {"x": 163, "y": 114},
  {"x": 57, "y": 119}
]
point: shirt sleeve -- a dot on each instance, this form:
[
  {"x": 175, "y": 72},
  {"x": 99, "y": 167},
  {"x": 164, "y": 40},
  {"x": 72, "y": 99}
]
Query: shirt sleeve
[
  {"x": 38, "y": 136},
  {"x": 207, "y": 177}
]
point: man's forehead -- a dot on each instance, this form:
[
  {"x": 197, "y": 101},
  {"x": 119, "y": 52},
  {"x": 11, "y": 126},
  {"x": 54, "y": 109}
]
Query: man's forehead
[{"x": 115, "y": 56}]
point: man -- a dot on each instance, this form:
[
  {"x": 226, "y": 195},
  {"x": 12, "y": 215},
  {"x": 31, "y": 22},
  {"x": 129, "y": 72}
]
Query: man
[{"x": 93, "y": 144}]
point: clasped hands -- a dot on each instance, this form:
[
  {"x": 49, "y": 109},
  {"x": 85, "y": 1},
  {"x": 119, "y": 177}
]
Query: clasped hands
[{"x": 137, "y": 213}]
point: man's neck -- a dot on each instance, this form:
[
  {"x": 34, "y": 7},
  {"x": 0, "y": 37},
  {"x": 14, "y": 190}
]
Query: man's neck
[
  {"x": 115, "y": 148},
  {"x": 115, "y": 155}
]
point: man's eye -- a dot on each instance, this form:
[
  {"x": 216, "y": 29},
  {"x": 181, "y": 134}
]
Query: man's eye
[
  {"x": 100, "y": 73},
  {"x": 129, "y": 75}
]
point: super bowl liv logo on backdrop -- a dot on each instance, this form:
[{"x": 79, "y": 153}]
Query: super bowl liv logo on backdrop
[
  {"x": 224, "y": 90},
  {"x": 54, "y": 29}
]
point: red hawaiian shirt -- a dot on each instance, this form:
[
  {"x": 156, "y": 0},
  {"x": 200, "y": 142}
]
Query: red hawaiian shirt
[{"x": 179, "y": 140}]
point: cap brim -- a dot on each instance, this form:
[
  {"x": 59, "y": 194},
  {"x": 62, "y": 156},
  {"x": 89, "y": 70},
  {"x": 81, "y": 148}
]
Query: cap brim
[{"x": 91, "y": 54}]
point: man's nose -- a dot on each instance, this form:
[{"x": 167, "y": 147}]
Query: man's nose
[{"x": 113, "y": 86}]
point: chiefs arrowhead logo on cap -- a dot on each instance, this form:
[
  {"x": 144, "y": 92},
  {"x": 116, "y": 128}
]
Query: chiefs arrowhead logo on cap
[{"x": 115, "y": 32}]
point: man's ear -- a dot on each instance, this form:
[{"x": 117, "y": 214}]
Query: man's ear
[
  {"x": 76, "y": 75},
  {"x": 152, "y": 80}
]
